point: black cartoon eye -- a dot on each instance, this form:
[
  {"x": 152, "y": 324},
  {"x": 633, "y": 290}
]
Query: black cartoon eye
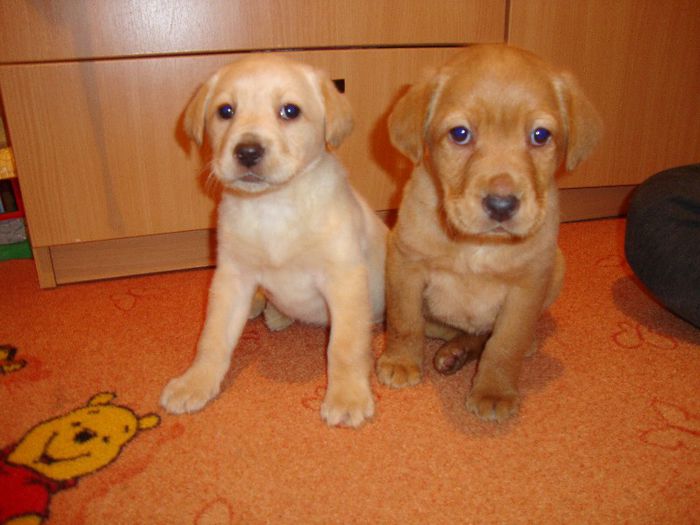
[
  {"x": 290, "y": 111},
  {"x": 540, "y": 136},
  {"x": 461, "y": 135},
  {"x": 226, "y": 111}
]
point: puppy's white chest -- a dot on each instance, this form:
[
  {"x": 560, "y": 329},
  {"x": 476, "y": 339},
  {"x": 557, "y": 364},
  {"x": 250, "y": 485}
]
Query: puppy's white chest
[{"x": 259, "y": 236}]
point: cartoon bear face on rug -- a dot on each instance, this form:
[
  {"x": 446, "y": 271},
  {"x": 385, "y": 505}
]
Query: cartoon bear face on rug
[
  {"x": 81, "y": 441},
  {"x": 55, "y": 453}
]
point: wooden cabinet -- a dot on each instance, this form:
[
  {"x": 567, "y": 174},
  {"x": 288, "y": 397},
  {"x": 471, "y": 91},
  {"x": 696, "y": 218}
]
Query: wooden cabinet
[
  {"x": 103, "y": 155},
  {"x": 93, "y": 92},
  {"x": 33, "y": 31},
  {"x": 639, "y": 61}
]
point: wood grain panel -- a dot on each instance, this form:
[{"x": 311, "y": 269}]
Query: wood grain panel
[
  {"x": 374, "y": 79},
  {"x": 101, "y": 154},
  {"x": 98, "y": 148},
  {"x": 639, "y": 60},
  {"x": 71, "y": 29},
  {"x": 137, "y": 255}
]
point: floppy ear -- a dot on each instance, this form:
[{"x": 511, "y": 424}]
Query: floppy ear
[
  {"x": 409, "y": 117},
  {"x": 339, "y": 121},
  {"x": 584, "y": 125},
  {"x": 196, "y": 111}
]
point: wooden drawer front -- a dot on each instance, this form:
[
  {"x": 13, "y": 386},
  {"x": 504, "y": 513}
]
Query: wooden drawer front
[
  {"x": 101, "y": 154},
  {"x": 97, "y": 148},
  {"x": 640, "y": 63},
  {"x": 69, "y": 29},
  {"x": 374, "y": 79}
]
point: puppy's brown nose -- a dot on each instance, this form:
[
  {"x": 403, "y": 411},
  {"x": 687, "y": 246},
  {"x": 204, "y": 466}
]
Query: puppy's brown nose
[
  {"x": 249, "y": 153},
  {"x": 500, "y": 207}
]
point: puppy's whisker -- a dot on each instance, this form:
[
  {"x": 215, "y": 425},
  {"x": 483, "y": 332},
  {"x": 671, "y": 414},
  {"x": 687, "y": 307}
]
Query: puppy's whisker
[{"x": 212, "y": 184}]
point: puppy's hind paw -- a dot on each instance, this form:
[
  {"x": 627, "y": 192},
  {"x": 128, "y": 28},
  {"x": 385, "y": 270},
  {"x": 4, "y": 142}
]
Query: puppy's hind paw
[
  {"x": 341, "y": 408},
  {"x": 257, "y": 305},
  {"x": 449, "y": 359},
  {"x": 452, "y": 355},
  {"x": 275, "y": 320}
]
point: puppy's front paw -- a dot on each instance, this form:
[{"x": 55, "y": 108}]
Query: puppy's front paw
[
  {"x": 349, "y": 407},
  {"x": 398, "y": 372},
  {"x": 493, "y": 405},
  {"x": 189, "y": 392}
]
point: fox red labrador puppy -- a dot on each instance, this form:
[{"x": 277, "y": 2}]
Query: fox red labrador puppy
[{"x": 473, "y": 258}]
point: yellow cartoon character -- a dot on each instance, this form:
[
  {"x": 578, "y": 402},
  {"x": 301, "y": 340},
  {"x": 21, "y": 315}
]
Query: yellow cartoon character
[
  {"x": 8, "y": 363},
  {"x": 55, "y": 453}
]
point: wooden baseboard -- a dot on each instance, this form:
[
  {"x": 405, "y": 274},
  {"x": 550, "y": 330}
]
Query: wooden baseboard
[
  {"x": 196, "y": 249},
  {"x": 579, "y": 204},
  {"x": 133, "y": 256}
]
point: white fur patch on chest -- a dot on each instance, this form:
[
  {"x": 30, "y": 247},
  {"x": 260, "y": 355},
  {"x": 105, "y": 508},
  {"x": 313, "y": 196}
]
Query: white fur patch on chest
[
  {"x": 466, "y": 300},
  {"x": 262, "y": 233}
]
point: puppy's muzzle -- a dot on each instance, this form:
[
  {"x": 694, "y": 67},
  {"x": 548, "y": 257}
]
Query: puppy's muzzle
[
  {"x": 500, "y": 201},
  {"x": 249, "y": 153},
  {"x": 500, "y": 208}
]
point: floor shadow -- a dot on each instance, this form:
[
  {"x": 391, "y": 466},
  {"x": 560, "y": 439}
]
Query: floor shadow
[
  {"x": 294, "y": 355},
  {"x": 633, "y": 299},
  {"x": 539, "y": 371},
  {"x": 387, "y": 156}
]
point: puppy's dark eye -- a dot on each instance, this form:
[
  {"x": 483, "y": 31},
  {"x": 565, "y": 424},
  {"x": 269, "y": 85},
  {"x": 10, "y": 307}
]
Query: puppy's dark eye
[
  {"x": 226, "y": 111},
  {"x": 461, "y": 135},
  {"x": 290, "y": 111},
  {"x": 540, "y": 136}
]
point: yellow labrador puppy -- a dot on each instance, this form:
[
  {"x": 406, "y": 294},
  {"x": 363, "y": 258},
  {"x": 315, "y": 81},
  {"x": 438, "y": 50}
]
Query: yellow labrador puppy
[
  {"x": 289, "y": 223},
  {"x": 473, "y": 258}
]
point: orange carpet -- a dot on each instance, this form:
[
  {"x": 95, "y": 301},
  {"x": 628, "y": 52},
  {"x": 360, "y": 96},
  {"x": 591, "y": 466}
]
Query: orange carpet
[{"x": 608, "y": 432}]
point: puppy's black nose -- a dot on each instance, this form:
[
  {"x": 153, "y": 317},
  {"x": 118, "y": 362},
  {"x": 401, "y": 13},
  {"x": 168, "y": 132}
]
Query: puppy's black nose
[
  {"x": 249, "y": 153},
  {"x": 500, "y": 207}
]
